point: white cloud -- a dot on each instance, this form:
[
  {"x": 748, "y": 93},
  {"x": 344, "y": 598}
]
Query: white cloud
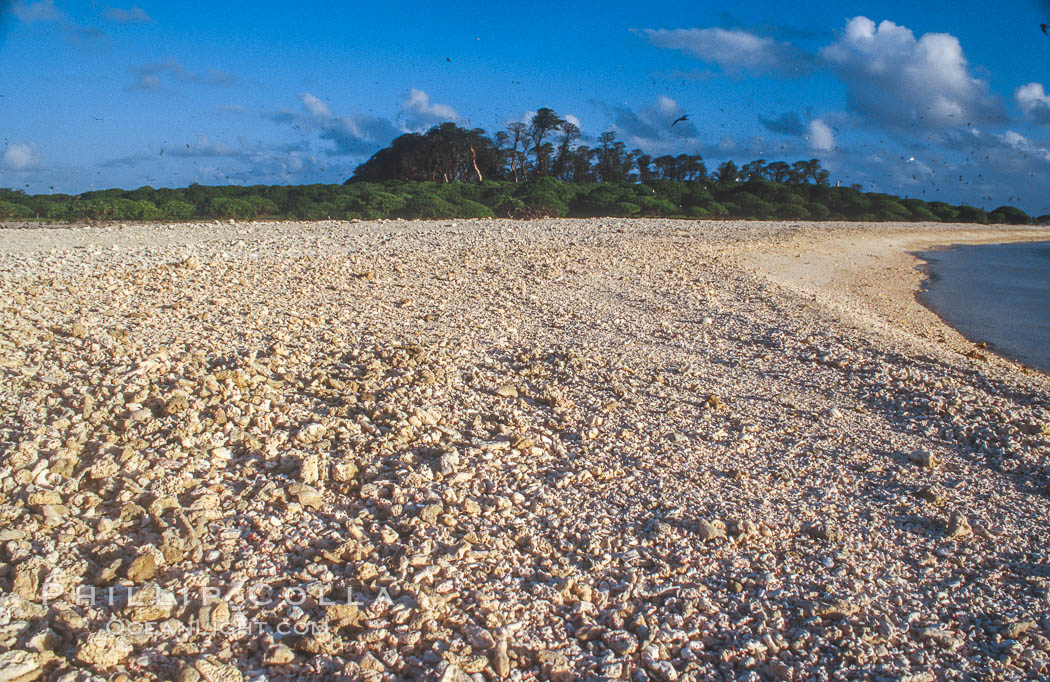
[
  {"x": 44, "y": 10},
  {"x": 821, "y": 137},
  {"x": 733, "y": 50},
  {"x": 1022, "y": 144},
  {"x": 315, "y": 106},
  {"x": 20, "y": 156},
  {"x": 665, "y": 106},
  {"x": 1033, "y": 101},
  {"x": 654, "y": 127},
  {"x": 573, "y": 120},
  {"x": 419, "y": 113},
  {"x": 351, "y": 135},
  {"x": 896, "y": 80},
  {"x": 133, "y": 15}
]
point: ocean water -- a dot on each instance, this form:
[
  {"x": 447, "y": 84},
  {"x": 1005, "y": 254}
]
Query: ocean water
[{"x": 996, "y": 293}]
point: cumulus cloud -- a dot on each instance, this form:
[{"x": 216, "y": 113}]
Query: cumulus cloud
[
  {"x": 654, "y": 127},
  {"x": 150, "y": 77},
  {"x": 20, "y": 156},
  {"x": 419, "y": 113},
  {"x": 44, "y": 10},
  {"x": 897, "y": 80},
  {"x": 350, "y": 135},
  {"x": 314, "y": 106},
  {"x": 1022, "y": 144},
  {"x": 1033, "y": 101},
  {"x": 132, "y": 15},
  {"x": 788, "y": 123},
  {"x": 821, "y": 137},
  {"x": 734, "y": 50},
  {"x": 360, "y": 134}
]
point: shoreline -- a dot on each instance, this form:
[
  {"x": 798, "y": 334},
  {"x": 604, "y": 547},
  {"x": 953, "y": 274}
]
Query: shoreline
[
  {"x": 988, "y": 334},
  {"x": 549, "y": 449},
  {"x": 892, "y": 265}
]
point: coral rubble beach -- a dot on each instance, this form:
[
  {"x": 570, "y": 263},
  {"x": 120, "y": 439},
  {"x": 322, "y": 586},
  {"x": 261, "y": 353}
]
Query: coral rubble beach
[{"x": 621, "y": 449}]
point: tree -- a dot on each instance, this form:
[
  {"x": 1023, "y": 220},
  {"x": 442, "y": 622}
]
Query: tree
[
  {"x": 445, "y": 153},
  {"x": 643, "y": 162},
  {"x": 9, "y": 209},
  {"x": 542, "y": 155},
  {"x": 562, "y": 169},
  {"x": 544, "y": 197},
  {"x": 944, "y": 212},
  {"x": 665, "y": 167},
  {"x": 174, "y": 210},
  {"x": 583, "y": 169},
  {"x": 692, "y": 167},
  {"x": 972, "y": 214},
  {"x": 543, "y": 122},
  {"x": 778, "y": 171},
  {"x": 727, "y": 173},
  {"x": 755, "y": 170},
  {"x": 614, "y": 164},
  {"x": 514, "y": 143},
  {"x": 1009, "y": 215},
  {"x": 811, "y": 170}
]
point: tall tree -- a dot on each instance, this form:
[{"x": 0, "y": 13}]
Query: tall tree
[
  {"x": 445, "y": 153},
  {"x": 664, "y": 166},
  {"x": 583, "y": 158},
  {"x": 644, "y": 163},
  {"x": 562, "y": 168},
  {"x": 543, "y": 123},
  {"x": 727, "y": 173},
  {"x": 614, "y": 163},
  {"x": 755, "y": 170},
  {"x": 778, "y": 171},
  {"x": 811, "y": 171},
  {"x": 692, "y": 166},
  {"x": 516, "y": 145}
]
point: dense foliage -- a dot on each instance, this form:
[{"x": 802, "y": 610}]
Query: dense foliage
[
  {"x": 526, "y": 171},
  {"x": 545, "y": 196}
]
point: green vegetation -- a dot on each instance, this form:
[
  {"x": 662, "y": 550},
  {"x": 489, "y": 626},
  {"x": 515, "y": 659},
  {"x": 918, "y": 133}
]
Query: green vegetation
[
  {"x": 542, "y": 197},
  {"x": 529, "y": 170}
]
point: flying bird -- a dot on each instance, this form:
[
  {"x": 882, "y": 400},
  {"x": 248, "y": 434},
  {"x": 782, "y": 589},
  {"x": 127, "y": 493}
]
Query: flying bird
[
  {"x": 1045, "y": 28},
  {"x": 683, "y": 117}
]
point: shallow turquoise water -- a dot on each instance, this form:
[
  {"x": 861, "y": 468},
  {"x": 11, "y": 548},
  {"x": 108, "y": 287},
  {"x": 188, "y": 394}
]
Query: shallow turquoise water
[{"x": 996, "y": 293}]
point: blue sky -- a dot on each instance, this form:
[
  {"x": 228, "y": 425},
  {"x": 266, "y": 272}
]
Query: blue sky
[{"x": 945, "y": 101}]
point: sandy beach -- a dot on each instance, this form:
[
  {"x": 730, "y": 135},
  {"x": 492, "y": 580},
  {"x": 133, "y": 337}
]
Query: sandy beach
[{"x": 491, "y": 449}]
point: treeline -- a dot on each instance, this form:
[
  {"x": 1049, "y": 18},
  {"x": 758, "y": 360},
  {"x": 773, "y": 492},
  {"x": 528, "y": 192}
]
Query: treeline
[
  {"x": 529, "y": 170},
  {"x": 540, "y": 197},
  {"x": 548, "y": 147}
]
